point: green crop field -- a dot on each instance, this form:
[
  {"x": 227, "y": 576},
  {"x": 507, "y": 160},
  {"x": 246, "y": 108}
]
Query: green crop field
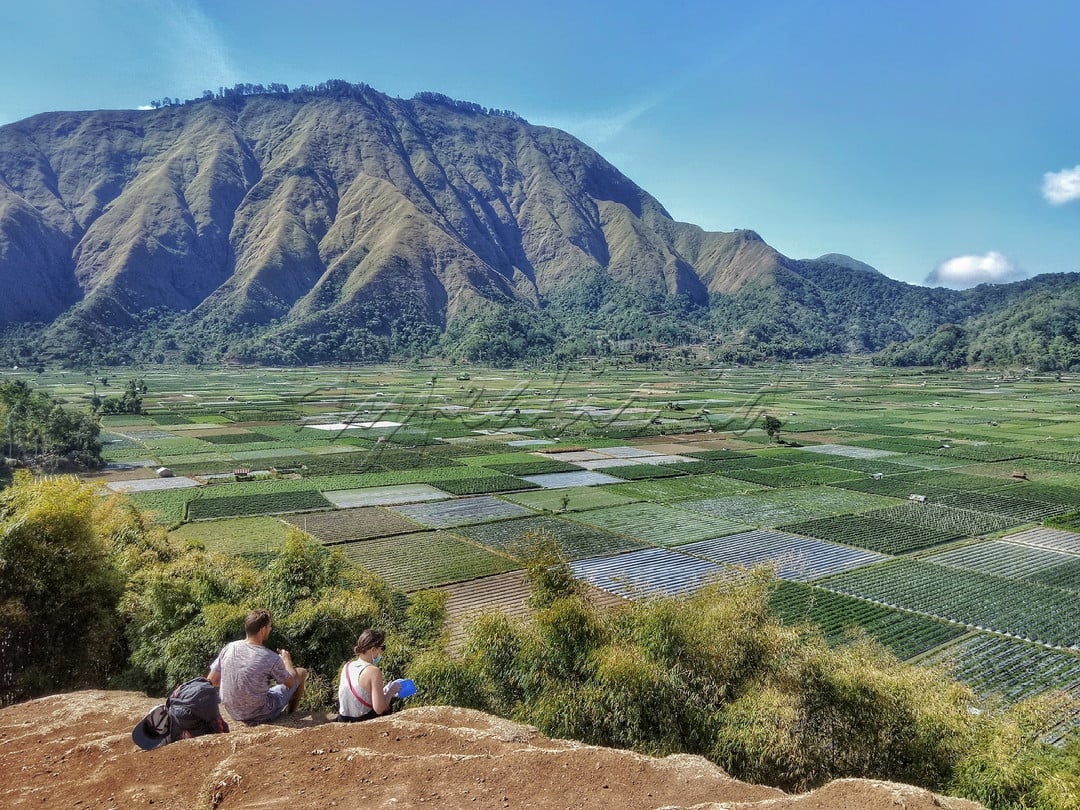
[
  {"x": 244, "y": 535},
  {"x": 425, "y": 560},
  {"x": 989, "y": 455},
  {"x": 873, "y": 533},
  {"x": 1024, "y": 610},
  {"x": 343, "y": 525},
  {"x": 269, "y": 503},
  {"x": 658, "y": 525},
  {"x": 571, "y": 499},
  {"x": 576, "y": 540},
  {"x": 906, "y": 634}
]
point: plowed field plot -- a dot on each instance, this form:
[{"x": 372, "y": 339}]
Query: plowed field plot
[
  {"x": 850, "y": 452},
  {"x": 992, "y": 665},
  {"x": 1057, "y": 539},
  {"x": 1016, "y": 561},
  {"x": 152, "y": 484},
  {"x": 945, "y": 519},
  {"x": 752, "y": 510},
  {"x": 659, "y": 525},
  {"x": 575, "y": 540},
  {"x": 649, "y": 572},
  {"x": 1023, "y": 510},
  {"x": 489, "y": 483},
  {"x": 425, "y": 560},
  {"x": 584, "y": 478},
  {"x": 669, "y": 490},
  {"x": 795, "y": 558},
  {"x": 794, "y": 475},
  {"x": 1023, "y": 609},
  {"x": 906, "y": 634},
  {"x": 576, "y": 498},
  {"x": 462, "y": 512},
  {"x": 343, "y": 525},
  {"x": 384, "y": 496},
  {"x": 267, "y": 503},
  {"x": 871, "y": 532}
]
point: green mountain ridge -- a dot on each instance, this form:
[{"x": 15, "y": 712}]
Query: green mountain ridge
[{"x": 339, "y": 223}]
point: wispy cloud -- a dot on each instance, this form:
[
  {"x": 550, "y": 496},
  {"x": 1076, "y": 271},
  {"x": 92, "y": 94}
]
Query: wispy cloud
[
  {"x": 596, "y": 130},
  {"x": 962, "y": 272},
  {"x": 1061, "y": 187},
  {"x": 195, "y": 53}
]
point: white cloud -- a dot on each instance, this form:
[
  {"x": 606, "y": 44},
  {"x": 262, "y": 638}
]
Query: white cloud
[
  {"x": 968, "y": 271},
  {"x": 1062, "y": 187}
]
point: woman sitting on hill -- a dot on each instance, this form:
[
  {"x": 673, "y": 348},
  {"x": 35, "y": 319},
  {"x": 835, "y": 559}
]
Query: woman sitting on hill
[{"x": 361, "y": 691}]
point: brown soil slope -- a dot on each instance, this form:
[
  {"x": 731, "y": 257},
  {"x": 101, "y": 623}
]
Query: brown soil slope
[{"x": 76, "y": 751}]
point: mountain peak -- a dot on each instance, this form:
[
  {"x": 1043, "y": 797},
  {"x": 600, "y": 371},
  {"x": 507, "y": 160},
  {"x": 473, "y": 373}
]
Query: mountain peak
[{"x": 842, "y": 260}]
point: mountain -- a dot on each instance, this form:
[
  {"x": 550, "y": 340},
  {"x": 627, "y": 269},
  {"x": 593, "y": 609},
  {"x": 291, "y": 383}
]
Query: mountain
[{"x": 338, "y": 223}]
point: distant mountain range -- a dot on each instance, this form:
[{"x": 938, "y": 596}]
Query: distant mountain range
[{"x": 338, "y": 223}]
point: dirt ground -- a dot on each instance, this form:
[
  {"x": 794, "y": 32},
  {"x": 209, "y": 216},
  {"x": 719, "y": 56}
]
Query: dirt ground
[{"x": 75, "y": 751}]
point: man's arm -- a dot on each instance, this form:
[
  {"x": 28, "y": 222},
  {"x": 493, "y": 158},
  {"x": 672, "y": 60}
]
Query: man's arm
[
  {"x": 214, "y": 676},
  {"x": 286, "y": 658}
]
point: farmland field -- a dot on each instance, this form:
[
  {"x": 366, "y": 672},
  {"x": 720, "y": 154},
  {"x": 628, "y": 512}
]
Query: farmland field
[
  {"x": 661, "y": 526},
  {"x": 412, "y": 561},
  {"x": 652, "y": 481},
  {"x": 906, "y": 634}
]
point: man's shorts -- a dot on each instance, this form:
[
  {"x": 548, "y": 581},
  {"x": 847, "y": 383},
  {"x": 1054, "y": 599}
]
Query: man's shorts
[{"x": 281, "y": 695}]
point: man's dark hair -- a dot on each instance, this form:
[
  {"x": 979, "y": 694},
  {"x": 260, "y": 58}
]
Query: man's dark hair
[
  {"x": 368, "y": 639},
  {"x": 256, "y": 621}
]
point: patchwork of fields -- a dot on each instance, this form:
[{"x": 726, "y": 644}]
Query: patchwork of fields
[{"x": 935, "y": 512}]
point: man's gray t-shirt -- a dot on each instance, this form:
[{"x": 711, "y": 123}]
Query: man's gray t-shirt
[{"x": 247, "y": 673}]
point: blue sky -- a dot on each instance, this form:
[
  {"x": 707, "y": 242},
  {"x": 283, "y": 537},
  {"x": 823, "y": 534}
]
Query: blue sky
[{"x": 937, "y": 141}]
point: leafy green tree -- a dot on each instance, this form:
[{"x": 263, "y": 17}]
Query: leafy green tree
[
  {"x": 38, "y": 427},
  {"x": 772, "y": 427},
  {"x": 59, "y": 586}
]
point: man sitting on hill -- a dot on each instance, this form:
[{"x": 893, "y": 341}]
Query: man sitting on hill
[{"x": 246, "y": 672}]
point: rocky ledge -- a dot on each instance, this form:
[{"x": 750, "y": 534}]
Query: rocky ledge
[{"x": 75, "y": 751}]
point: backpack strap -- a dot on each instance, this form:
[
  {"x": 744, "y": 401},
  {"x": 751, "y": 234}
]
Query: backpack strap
[{"x": 348, "y": 680}]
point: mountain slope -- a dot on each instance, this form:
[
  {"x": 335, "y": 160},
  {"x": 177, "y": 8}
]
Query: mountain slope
[{"x": 337, "y": 223}]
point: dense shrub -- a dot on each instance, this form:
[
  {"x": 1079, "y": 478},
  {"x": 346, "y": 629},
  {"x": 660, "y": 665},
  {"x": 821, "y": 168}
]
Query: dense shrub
[
  {"x": 59, "y": 586},
  {"x": 716, "y": 674}
]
